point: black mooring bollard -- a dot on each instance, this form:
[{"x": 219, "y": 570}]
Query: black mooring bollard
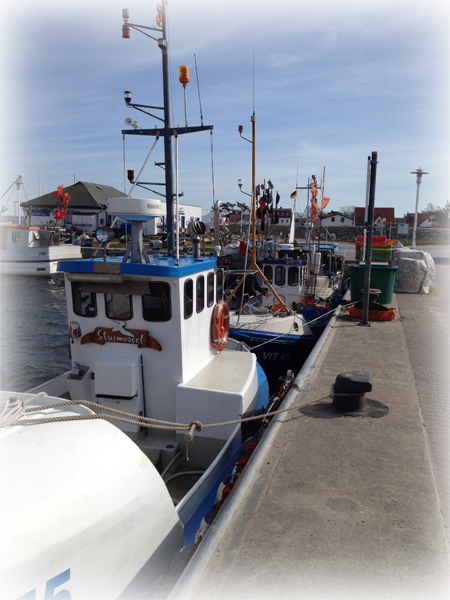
[{"x": 349, "y": 391}]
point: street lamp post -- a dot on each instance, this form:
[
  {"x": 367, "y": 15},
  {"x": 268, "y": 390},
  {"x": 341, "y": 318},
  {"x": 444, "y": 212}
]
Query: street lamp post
[{"x": 419, "y": 174}]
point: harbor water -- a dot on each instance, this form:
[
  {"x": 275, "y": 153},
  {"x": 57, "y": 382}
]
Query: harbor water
[{"x": 34, "y": 344}]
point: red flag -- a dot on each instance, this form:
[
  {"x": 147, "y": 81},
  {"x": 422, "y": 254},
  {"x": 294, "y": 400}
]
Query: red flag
[
  {"x": 314, "y": 210},
  {"x": 60, "y": 211},
  {"x": 325, "y": 201},
  {"x": 314, "y": 190}
]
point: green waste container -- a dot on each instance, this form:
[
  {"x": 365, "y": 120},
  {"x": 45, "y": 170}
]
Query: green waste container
[{"x": 382, "y": 277}]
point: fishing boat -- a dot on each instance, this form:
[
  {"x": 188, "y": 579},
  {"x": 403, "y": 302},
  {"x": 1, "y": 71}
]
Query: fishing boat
[
  {"x": 110, "y": 474},
  {"x": 282, "y": 326},
  {"x": 31, "y": 250}
]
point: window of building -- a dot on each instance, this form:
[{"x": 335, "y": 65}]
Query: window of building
[
  {"x": 293, "y": 276},
  {"x": 280, "y": 275},
  {"x": 188, "y": 298},
  {"x": 219, "y": 285},
  {"x": 84, "y": 303},
  {"x": 332, "y": 219},
  {"x": 200, "y": 293},
  {"x": 156, "y": 304},
  {"x": 118, "y": 306},
  {"x": 210, "y": 290}
]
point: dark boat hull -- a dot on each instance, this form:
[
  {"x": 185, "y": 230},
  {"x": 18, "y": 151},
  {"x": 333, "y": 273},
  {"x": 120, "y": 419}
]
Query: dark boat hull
[{"x": 277, "y": 355}]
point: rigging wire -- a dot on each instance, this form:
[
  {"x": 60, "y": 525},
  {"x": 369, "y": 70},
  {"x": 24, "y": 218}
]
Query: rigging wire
[
  {"x": 212, "y": 168},
  {"x": 10, "y": 187},
  {"x": 198, "y": 89}
]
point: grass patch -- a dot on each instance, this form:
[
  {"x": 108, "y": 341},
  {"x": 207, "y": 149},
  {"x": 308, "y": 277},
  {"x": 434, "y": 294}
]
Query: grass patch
[{"x": 427, "y": 242}]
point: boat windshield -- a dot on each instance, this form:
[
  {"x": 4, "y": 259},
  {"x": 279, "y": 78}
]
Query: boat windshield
[{"x": 156, "y": 304}]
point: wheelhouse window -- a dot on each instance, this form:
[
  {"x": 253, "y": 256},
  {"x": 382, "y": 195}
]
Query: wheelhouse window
[
  {"x": 188, "y": 298},
  {"x": 268, "y": 273},
  {"x": 219, "y": 285},
  {"x": 118, "y": 306},
  {"x": 84, "y": 303},
  {"x": 200, "y": 293},
  {"x": 210, "y": 289},
  {"x": 156, "y": 304},
  {"x": 293, "y": 276},
  {"x": 280, "y": 275}
]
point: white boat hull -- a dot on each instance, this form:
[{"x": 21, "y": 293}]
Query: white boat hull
[
  {"x": 84, "y": 510},
  {"x": 31, "y": 251}
]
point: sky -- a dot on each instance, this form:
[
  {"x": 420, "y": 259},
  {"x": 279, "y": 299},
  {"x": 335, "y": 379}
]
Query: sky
[{"x": 330, "y": 83}]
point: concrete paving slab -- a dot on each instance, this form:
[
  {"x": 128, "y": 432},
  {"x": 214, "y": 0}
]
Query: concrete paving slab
[{"x": 334, "y": 506}]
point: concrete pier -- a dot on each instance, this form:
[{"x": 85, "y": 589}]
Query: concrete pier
[{"x": 334, "y": 505}]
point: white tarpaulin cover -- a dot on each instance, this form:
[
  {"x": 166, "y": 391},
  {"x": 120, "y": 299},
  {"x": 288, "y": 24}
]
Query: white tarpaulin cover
[
  {"x": 415, "y": 271},
  {"x": 232, "y": 248}
]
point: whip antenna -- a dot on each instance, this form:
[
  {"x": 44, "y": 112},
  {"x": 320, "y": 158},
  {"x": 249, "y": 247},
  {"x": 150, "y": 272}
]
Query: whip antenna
[
  {"x": 253, "y": 82},
  {"x": 198, "y": 88}
]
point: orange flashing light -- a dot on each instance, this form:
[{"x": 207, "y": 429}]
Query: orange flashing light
[{"x": 184, "y": 75}]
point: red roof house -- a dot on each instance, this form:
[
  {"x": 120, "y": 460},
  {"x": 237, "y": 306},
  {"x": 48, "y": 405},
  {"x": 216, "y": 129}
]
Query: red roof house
[
  {"x": 380, "y": 216},
  {"x": 421, "y": 219}
]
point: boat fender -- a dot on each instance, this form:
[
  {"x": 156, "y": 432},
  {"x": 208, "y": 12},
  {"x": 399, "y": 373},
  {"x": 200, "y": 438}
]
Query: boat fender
[
  {"x": 245, "y": 452},
  {"x": 220, "y": 326},
  {"x": 227, "y": 484},
  {"x": 222, "y": 486}
]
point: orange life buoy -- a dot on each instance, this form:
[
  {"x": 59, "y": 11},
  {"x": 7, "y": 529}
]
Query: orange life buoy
[{"x": 220, "y": 326}]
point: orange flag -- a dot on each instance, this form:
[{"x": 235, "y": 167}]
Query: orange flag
[
  {"x": 314, "y": 210},
  {"x": 325, "y": 201}
]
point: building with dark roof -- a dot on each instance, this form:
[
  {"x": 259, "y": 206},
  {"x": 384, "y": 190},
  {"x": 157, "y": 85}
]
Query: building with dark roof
[
  {"x": 335, "y": 219},
  {"x": 87, "y": 209},
  {"x": 83, "y": 196}
]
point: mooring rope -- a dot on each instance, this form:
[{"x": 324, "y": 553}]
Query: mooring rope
[{"x": 14, "y": 410}]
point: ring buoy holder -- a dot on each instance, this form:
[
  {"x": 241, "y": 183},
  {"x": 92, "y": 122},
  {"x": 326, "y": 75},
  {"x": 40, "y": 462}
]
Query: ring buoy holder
[{"x": 220, "y": 326}]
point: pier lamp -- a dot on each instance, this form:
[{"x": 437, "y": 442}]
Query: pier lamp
[
  {"x": 418, "y": 174},
  {"x": 127, "y": 96}
]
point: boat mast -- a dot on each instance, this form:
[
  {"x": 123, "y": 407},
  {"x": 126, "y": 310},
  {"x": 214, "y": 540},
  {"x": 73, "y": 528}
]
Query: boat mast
[
  {"x": 167, "y": 132},
  {"x": 164, "y": 46},
  {"x": 253, "y": 266}
]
